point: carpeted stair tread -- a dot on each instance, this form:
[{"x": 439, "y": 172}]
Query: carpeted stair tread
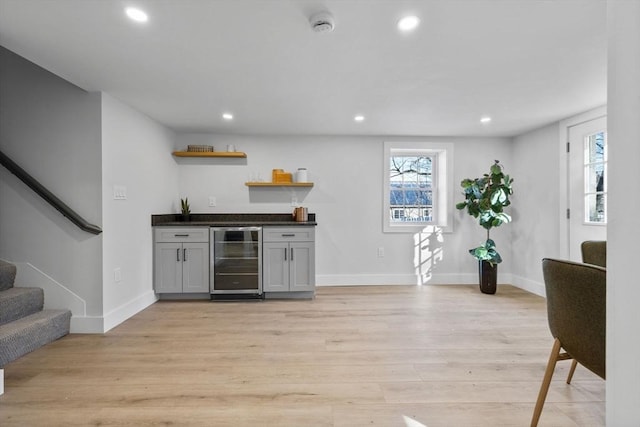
[
  {"x": 31, "y": 332},
  {"x": 7, "y": 275},
  {"x": 24, "y": 326},
  {"x": 19, "y": 302}
]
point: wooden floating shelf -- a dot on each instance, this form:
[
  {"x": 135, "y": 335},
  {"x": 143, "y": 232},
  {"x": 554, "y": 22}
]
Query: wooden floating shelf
[
  {"x": 279, "y": 184},
  {"x": 236, "y": 154}
]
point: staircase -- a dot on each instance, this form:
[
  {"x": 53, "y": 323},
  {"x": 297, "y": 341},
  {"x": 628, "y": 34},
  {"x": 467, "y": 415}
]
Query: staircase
[{"x": 24, "y": 325}]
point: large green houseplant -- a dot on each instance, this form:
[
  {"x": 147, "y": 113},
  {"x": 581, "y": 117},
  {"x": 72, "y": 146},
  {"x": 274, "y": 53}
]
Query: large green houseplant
[{"x": 485, "y": 199}]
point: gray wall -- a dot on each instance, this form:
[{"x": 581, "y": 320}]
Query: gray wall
[
  {"x": 535, "y": 232},
  {"x": 623, "y": 233},
  {"x": 136, "y": 154},
  {"x": 100, "y": 139},
  {"x": 347, "y": 197},
  {"x": 51, "y": 128}
]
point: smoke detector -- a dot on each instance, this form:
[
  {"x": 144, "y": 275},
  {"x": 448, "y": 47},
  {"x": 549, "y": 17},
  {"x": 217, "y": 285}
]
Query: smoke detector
[{"x": 322, "y": 22}]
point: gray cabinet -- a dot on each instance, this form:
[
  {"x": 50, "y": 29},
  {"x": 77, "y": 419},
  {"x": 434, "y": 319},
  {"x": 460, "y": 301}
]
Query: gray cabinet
[
  {"x": 288, "y": 259},
  {"x": 181, "y": 260}
]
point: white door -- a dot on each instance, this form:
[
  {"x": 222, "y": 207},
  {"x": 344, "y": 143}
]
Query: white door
[{"x": 587, "y": 171}]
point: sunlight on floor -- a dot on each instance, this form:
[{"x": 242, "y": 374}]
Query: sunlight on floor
[
  {"x": 410, "y": 422},
  {"x": 427, "y": 252}
]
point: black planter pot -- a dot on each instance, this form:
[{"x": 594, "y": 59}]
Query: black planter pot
[
  {"x": 185, "y": 217},
  {"x": 488, "y": 277}
]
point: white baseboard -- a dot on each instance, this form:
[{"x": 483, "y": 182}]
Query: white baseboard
[
  {"x": 403, "y": 279},
  {"x": 365, "y": 279},
  {"x": 99, "y": 325},
  {"x": 125, "y": 311},
  {"x": 532, "y": 286},
  {"x": 87, "y": 325},
  {"x": 58, "y": 296}
]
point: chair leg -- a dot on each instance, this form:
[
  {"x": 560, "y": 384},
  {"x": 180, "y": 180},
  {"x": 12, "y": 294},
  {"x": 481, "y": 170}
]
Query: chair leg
[
  {"x": 574, "y": 363},
  {"x": 546, "y": 381}
]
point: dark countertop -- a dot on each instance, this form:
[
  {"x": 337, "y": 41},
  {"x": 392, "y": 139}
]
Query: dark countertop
[{"x": 230, "y": 220}]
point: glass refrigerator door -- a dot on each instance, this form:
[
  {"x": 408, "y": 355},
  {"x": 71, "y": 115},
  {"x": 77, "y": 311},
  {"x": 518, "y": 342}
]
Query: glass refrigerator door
[{"x": 236, "y": 260}]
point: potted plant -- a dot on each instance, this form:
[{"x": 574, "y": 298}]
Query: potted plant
[
  {"x": 485, "y": 199},
  {"x": 185, "y": 208}
]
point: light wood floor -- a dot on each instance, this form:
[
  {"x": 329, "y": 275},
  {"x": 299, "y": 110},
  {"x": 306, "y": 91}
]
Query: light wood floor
[{"x": 354, "y": 356}]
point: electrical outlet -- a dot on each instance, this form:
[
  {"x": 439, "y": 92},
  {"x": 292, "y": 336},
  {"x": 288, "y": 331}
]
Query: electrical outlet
[
  {"x": 380, "y": 252},
  {"x": 212, "y": 201},
  {"x": 119, "y": 192},
  {"x": 117, "y": 275},
  {"x": 294, "y": 201}
]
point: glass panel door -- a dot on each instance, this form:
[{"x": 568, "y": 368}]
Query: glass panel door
[
  {"x": 587, "y": 184},
  {"x": 237, "y": 260}
]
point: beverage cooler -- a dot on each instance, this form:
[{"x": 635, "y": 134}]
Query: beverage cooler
[{"x": 236, "y": 261}]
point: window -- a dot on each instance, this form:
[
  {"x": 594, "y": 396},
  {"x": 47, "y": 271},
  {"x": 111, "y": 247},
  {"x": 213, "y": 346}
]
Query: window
[
  {"x": 417, "y": 186},
  {"x": 411, "y": 188},
  {"x": 595, "y": 174}
]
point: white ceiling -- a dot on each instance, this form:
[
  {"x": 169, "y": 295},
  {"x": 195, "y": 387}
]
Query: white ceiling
[{"x": 525, "y": 63}]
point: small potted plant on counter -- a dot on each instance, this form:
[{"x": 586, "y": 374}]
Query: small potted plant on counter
[
  {"x": 485, "y": 199},
  {"x": 185, "y": 208}
]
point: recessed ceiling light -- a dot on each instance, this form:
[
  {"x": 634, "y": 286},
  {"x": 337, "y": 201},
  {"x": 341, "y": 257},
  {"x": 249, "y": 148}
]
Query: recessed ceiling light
[
  {"x": 359, "y": 118},
  {"x": 485, "y": 120},
  {"x": 136, "y": 14},
  {"x": 227, "y": 116},
  {"x": 408, "y": 23}
]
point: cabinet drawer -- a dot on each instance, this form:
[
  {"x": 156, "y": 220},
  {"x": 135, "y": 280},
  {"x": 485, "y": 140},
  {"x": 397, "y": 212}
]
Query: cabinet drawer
[
  {"x": 288, "y": 234},
  {"x": 182, "y": 234}
]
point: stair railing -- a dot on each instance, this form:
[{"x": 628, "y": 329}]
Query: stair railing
[{"x": 47, "y": 195}]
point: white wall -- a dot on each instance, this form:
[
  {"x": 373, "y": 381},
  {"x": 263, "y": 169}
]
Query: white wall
[
  {"x": 51, "y": 128},
  {"x": 136, "y": 154},
  {"x": 347, "y": 198},
  {"x": 623, "y": 232},
  {"x": 536, "y": 205}
]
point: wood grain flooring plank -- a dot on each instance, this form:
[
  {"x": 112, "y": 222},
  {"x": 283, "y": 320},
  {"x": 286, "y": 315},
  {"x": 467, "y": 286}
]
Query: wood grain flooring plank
[
  {"x": 409, "y": 356},
  {"x": 446, "y": 415}
]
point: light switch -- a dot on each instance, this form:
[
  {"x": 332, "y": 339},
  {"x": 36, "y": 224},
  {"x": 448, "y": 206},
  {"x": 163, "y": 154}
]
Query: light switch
[{"x": 212, "y": 201}]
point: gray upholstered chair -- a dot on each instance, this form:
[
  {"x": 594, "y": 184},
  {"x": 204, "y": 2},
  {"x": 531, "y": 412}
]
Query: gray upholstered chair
[
  {"x": 576, "y": 308},
  {"x": 594, "y": 252}
]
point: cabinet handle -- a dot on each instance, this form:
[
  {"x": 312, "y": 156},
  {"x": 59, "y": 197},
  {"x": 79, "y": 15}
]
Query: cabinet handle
[
  {"x": 285, "y": 254},
  {"x": 181, "y": 235},
  {"x": 291, "y": 254},
  {"x": 178, "y": 255},
  {"x": 289, "y": 235},
  {"x": 184, "y": 255}
]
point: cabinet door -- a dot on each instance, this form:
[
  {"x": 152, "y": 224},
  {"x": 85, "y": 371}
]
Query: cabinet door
[
  {"x": 302, "y": 266},
  {"x": 168, "y": 268},
  {"x": 195, "y": 267},
  {"x": 275, "y": 267}
]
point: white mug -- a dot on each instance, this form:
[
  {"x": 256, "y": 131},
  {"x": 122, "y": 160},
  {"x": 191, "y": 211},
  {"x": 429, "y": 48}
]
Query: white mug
[{"x": 230, "y": 147}]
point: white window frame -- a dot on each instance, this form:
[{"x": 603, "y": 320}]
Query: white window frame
[
  {"x": 442, "y": 153},
  {"x": 586, "y": 169}
]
